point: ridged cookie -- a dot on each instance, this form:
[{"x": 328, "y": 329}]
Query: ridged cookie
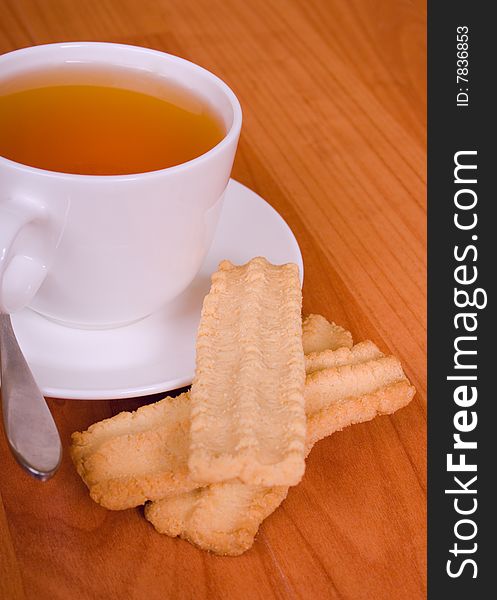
[
  {"x": 247, "y": 397},
  {"x": 327, "y": 359},
  {"x": 319, "y": 334},
  {"x": 136, "y": 456}
]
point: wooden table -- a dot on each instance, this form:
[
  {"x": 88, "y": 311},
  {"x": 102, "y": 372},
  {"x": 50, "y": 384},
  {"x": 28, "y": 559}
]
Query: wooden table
[{"x": 333, "y": 93}]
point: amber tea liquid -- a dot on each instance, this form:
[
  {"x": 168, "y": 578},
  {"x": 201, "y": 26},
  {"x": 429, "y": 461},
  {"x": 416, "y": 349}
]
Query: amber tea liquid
[{"x": 97, "y": 129}]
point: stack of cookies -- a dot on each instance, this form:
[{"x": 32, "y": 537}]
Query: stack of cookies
[{"x": 212, "y": 463}]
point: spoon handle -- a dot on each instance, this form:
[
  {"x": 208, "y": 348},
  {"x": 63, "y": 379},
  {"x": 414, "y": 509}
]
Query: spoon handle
[{"x": 28, "y": 422}]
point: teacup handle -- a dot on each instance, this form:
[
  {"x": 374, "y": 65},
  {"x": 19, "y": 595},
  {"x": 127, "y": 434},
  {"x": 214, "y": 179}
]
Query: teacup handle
[{"x": 22, "y": 271}]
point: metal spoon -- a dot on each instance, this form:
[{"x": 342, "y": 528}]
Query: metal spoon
[{"x": 28, "y": 422}]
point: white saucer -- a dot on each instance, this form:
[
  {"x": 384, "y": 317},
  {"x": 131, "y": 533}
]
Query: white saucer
[{"x": 156, "y": 354}]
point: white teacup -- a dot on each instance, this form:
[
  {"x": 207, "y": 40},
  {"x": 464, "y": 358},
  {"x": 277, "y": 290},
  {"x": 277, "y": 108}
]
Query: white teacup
[{"x": 102, "y": 251}]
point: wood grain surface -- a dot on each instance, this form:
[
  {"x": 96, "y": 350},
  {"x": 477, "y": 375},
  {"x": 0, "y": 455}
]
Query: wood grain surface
[{"x": 333, "y": 93}]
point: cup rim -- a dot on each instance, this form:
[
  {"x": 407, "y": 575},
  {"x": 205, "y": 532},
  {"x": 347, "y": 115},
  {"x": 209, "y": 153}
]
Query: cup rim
[{"x": 230, "y": 136}]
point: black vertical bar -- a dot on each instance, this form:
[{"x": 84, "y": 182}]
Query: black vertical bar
[{"x": 461, "y": 118}]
